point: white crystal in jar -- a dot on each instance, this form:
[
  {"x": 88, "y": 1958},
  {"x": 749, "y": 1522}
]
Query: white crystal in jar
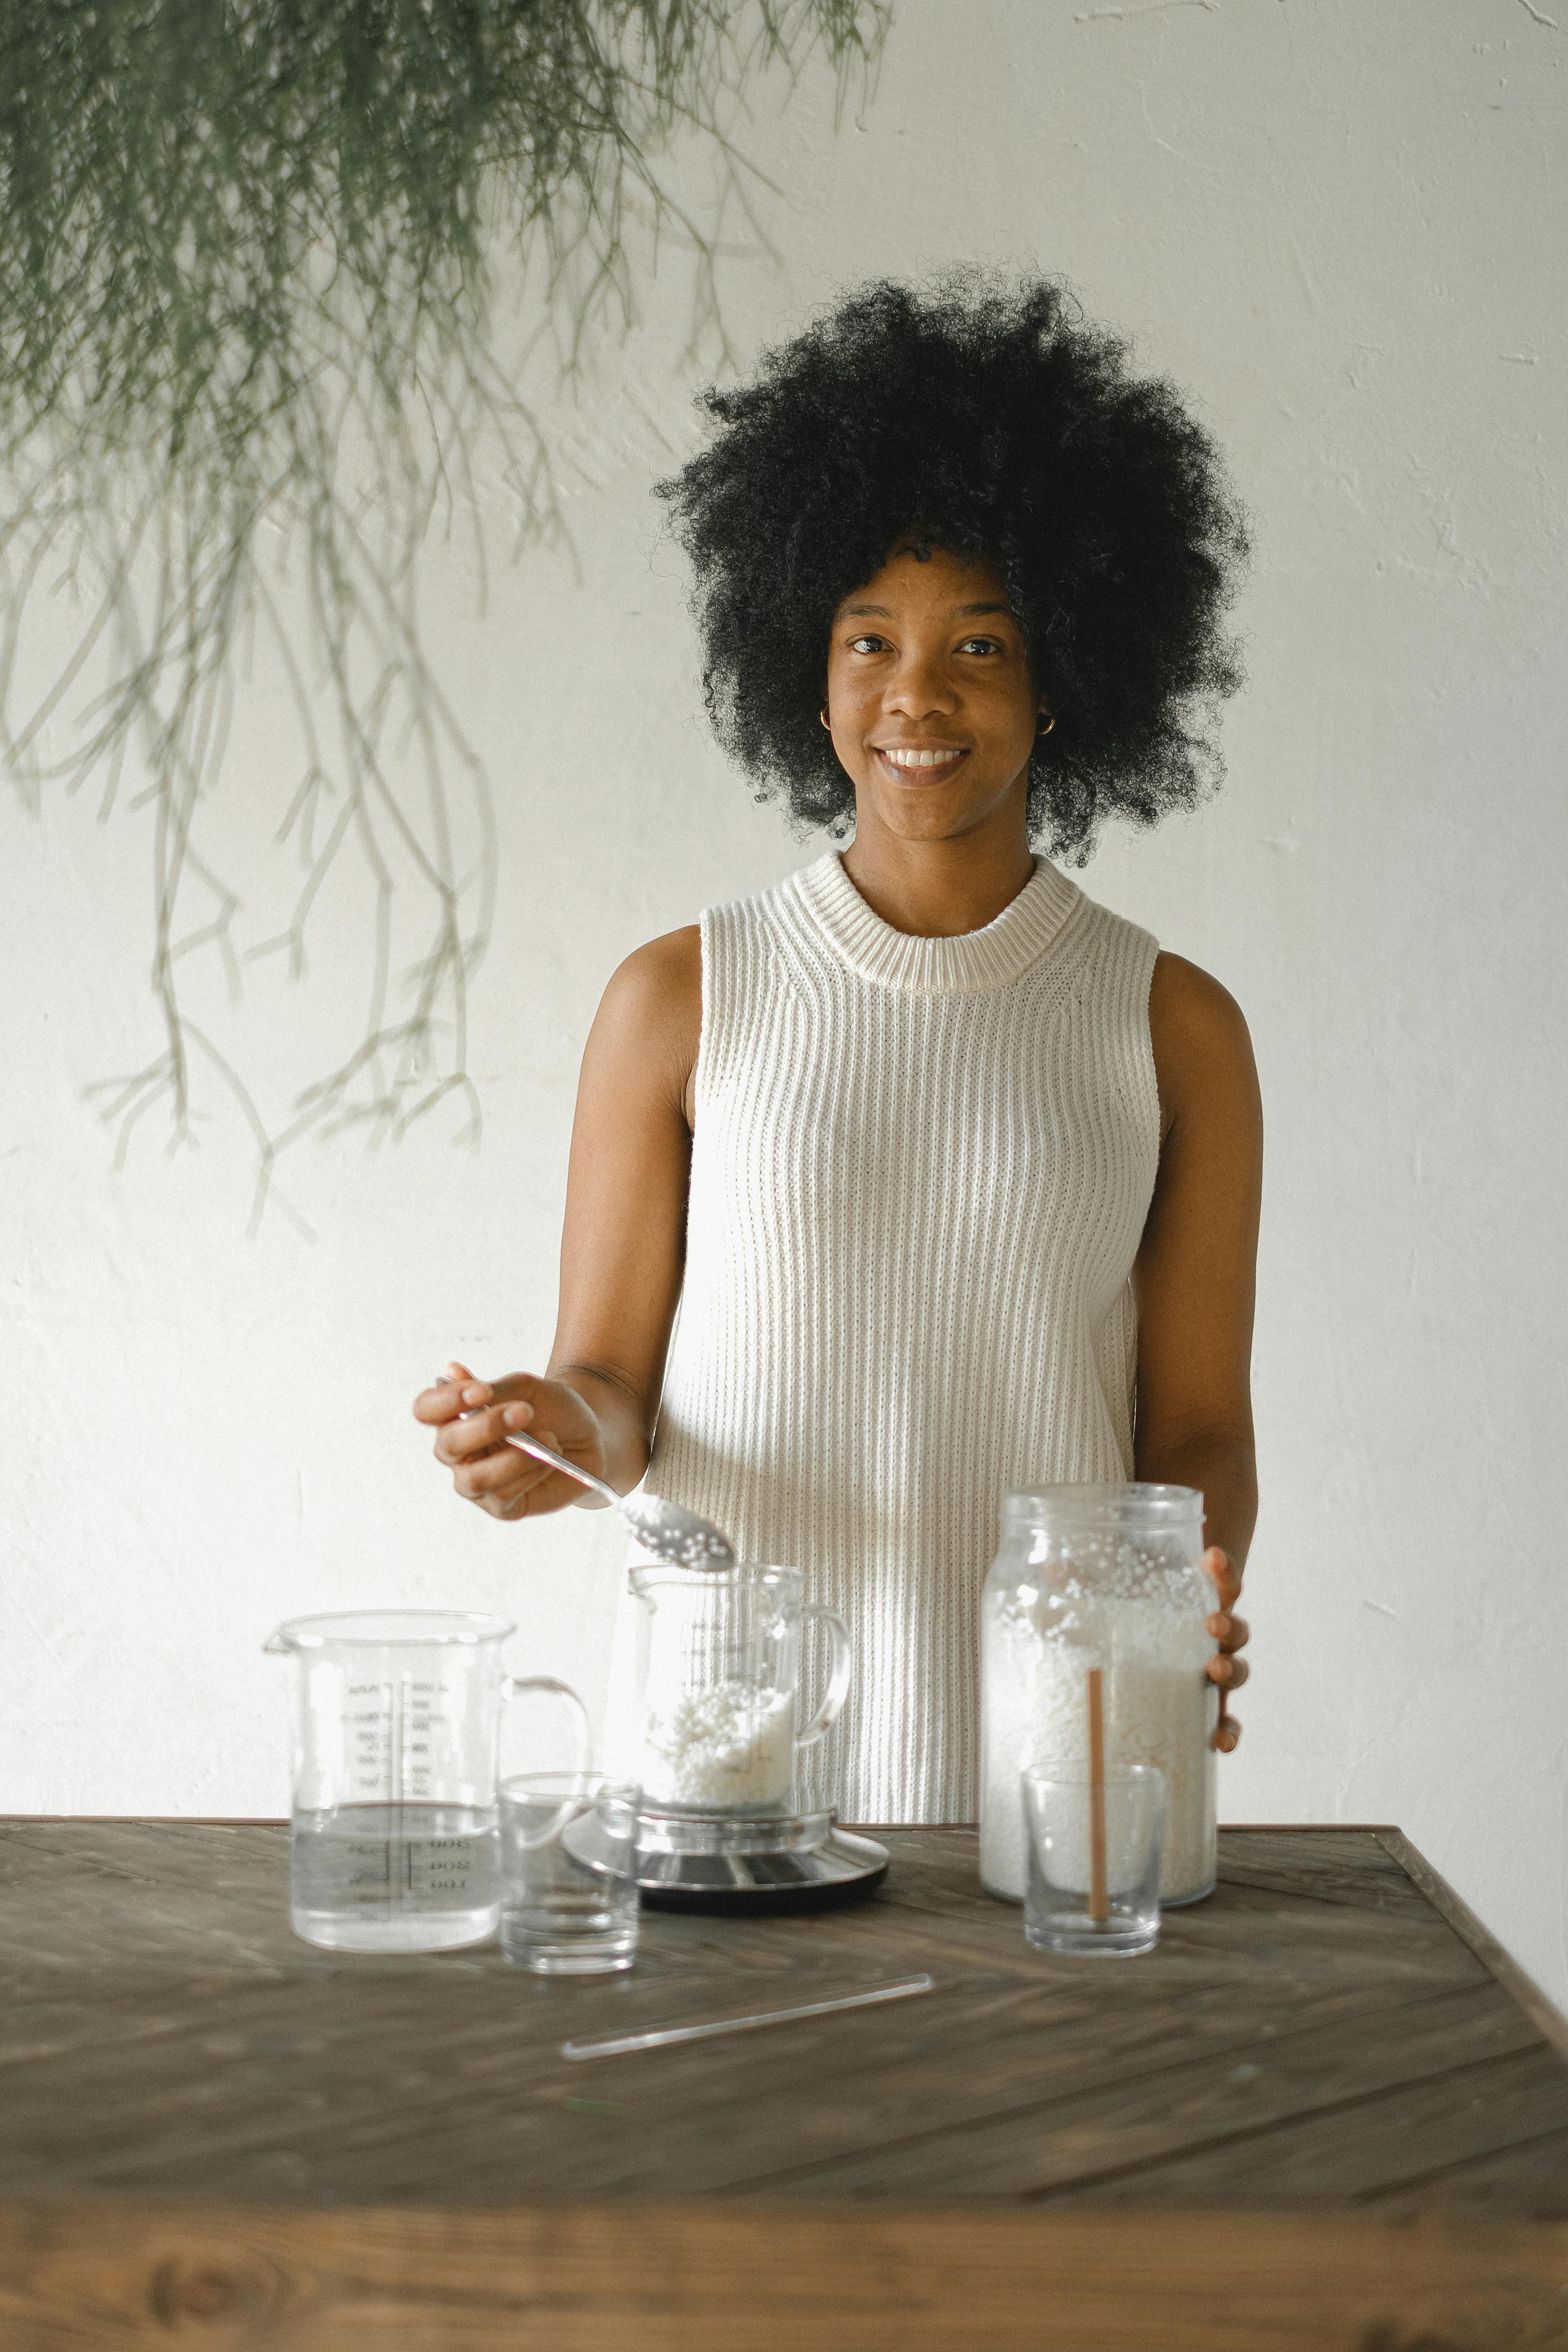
[
  {"x": 1138, "y": 1614},
  {"x": 731, "y": 1744}
]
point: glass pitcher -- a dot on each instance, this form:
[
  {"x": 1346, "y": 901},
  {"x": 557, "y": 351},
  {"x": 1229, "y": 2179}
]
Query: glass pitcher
[
  {"x": 395, "y": 1724},
  {"x": 1105, "y": 1575},
  {"x": 715, "y": 1693}
]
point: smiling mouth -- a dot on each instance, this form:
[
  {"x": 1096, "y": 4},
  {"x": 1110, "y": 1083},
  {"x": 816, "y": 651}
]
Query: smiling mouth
[{"x": 921, "y": 764}]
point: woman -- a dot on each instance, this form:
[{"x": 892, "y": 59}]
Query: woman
[{"x": 954, "y": 1175}]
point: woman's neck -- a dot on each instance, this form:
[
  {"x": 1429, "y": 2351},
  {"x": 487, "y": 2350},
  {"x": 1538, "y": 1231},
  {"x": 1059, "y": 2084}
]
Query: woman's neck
[{"x": 938, "y": 889}]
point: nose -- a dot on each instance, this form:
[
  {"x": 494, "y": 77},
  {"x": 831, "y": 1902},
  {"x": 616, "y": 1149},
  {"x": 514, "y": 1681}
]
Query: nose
[{"x": 920, "y": 689}]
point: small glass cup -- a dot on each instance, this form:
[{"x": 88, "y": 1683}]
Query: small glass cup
[
  {"x": 1058, "y": 1901},
  {"x": 568, "y": 1872}
]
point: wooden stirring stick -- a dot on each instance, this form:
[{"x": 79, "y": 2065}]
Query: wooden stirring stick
[{"x": 1098, "y": 1901}]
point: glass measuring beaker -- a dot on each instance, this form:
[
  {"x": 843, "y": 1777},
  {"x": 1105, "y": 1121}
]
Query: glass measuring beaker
[
  {"x": 395, "y": 1724},
  {"x": 716, "y": 1666}
]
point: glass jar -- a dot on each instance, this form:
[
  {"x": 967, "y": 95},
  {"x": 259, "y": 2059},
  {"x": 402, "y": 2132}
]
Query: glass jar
[{"x": 1106, "y": 1576}]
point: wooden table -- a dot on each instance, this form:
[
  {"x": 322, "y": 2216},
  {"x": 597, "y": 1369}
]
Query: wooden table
[{"x": 1326, "y": 2111}]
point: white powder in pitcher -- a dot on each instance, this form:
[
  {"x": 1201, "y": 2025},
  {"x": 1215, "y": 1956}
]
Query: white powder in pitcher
[
  {"x": 1160, "y": 1708},
  {"x": 730, "y": 1745}
]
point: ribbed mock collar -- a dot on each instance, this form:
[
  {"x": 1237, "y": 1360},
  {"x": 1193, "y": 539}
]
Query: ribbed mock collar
[{"x": 975, "y": 960}]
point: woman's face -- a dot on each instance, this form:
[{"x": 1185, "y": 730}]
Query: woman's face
[{"x": 932, "y": 706}]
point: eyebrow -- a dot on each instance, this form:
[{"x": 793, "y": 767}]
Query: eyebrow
[{"x": 957, "y": 611}]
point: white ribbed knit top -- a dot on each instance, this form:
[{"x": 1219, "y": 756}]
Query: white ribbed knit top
[{"x": 921, "y": 1174}]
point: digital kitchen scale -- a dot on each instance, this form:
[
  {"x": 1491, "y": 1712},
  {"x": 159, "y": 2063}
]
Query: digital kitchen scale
[{"x": 749, "y": 1862}]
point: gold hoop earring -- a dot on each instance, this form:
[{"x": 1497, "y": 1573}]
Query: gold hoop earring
[
  {"x": 827, "y": 722},
  {"x": 1046, "y": 721}
]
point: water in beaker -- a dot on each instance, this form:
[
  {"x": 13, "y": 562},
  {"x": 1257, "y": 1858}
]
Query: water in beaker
[{"x": 393, "y": 1878}]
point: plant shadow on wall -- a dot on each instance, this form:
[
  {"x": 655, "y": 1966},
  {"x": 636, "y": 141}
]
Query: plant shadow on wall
[{"x": 249, "y": 367}]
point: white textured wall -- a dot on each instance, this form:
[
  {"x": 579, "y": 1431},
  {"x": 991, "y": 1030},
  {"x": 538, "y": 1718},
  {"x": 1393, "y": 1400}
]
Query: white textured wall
[{"x": 1341, "y": 227}]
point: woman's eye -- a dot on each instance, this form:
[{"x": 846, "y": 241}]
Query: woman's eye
[
  {"x": 980, "y": 646},
  {"x": 867, "y": 644}
]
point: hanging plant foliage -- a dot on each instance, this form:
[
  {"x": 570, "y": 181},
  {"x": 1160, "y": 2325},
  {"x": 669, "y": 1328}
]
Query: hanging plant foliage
[{"x": 245, "y": 285}]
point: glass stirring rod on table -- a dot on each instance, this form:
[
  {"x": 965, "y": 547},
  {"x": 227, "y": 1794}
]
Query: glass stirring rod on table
[
  {"x": 659, "y": 2037},
  {"x": 663, "y": 1528}
]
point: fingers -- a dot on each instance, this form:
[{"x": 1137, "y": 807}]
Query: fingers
[
  {"x": 442, "y": 1401},
  {"x": 471, "y": 1416},
  {"x": 510, "y": 1485},
  {"x": 479, "y": 1430},
  {"x": 1230, "y": 1633},
  {"x": 1225, "y": 1670},
  {"x": 473, "y": 1419},
  {"x": 1217, "y": 1566},
  {"x": 503, "y": 1482}
]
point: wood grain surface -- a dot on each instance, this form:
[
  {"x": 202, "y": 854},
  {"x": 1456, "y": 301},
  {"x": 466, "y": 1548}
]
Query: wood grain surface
[
  {"x": 76, "y": 2278},
  {"x": 1325, "y": 2085}
]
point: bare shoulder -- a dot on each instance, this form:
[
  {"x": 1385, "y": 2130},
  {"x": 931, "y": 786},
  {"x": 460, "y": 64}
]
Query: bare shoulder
[
  {"x": 1203, "y": 1049},
  {"x": 663, "y": 978},
  {"x": 650, "y": 1015},
  {"x": 1188, "y": 1004}
]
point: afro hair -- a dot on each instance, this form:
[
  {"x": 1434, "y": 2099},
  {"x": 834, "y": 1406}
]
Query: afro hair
[{"x": 988, "y": 419}]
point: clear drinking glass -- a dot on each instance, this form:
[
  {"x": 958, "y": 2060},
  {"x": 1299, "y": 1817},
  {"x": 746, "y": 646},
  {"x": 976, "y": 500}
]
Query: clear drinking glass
[
  {"x": 1058, "y": 1896},
  {"x": 396, "y": 1717},
  {"x": 568, "y": 1872}
]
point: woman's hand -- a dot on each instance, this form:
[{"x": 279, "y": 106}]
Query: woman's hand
[
  {"x": 471, "y": 1419},
  {"x": 1231, "y": 1633}
]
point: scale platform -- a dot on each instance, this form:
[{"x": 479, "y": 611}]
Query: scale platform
[{"x": 774, "y": 1863}]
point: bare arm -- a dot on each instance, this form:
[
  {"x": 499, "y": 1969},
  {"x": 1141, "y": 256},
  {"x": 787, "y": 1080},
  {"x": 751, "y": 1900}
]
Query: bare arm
[
  {"x": 622, "y": 1254},
  {"x": 623, "y": 1246},
  {"x": 1194, "y": 1279}
]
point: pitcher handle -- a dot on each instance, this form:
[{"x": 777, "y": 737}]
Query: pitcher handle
[
  {"x": 516, "y": 1686},
  {"x": 838, "y": 1678}
]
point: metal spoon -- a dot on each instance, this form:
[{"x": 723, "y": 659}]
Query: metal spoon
[{"x": 664, "y": 1528}]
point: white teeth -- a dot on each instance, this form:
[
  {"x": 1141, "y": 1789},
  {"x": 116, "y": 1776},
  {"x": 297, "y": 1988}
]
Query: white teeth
[{"x": 921, "y": 759}]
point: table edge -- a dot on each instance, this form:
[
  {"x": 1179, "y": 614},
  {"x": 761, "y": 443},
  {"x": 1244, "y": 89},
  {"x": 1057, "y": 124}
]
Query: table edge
[
  {"x": 101, "y": 2274},
  {"x": 1538, "y": 2006},
  {"x": 1180, "y": 2230}
]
